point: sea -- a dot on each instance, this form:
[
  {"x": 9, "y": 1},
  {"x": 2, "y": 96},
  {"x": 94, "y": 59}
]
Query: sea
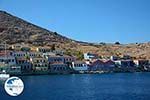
[{"x": 113, "y": 86}]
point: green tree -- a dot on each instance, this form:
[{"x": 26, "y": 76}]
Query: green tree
[{"x": 80, "y": 55}]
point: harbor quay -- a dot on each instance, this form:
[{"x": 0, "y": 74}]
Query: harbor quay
[{"x": 21, "y": 60}]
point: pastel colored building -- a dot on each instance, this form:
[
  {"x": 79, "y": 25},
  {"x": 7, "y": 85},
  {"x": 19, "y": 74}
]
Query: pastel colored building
[
  {"x": 96, "y": 65},
  {"x": 25, "y": 64},
  {"x": 43, "y": 49},
  {"x": 102, "y": 65},
  {"x": 19, "y": 54},
  {"x": 39, "y": 64},
  {"x": 109, "y": 64},
  {"x": 10, "y": 60},
  {"x": 59, "y": 68},
  {"x": 68, "y": 59},
  {"x": 64, "y": 59}
]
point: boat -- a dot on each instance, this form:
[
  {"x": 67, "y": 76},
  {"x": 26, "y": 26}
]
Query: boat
[{"x": 4, "y": 75}]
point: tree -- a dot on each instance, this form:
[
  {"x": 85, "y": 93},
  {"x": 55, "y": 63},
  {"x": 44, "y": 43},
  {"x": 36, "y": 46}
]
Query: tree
[
  {"x": 117, "y": 43},
  {"x": 80, "y": 55}
]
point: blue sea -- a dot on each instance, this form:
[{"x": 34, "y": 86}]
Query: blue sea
[{"x": 115, "y": 86}]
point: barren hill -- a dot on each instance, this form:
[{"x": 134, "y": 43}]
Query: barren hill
[{"x": 16, "y": 30}]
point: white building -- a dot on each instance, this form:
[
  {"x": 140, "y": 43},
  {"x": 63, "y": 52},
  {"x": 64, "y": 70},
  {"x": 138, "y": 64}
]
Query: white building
[
  {"x": 79, "y": 66},
  {"x": 90, "y": 56},
  {"x": 16, "y": 46}
]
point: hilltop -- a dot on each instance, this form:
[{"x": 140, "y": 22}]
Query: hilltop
[{"x": 15, "y": 30}]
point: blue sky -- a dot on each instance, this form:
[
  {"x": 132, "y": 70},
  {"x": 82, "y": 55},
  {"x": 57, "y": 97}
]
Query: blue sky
[{"x": 126, "y": 21}]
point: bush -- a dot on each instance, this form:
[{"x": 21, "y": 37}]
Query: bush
[{"x": 117, "y": 43}]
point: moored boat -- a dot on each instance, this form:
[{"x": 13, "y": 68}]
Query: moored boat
[{"x": 4, "y": 75}]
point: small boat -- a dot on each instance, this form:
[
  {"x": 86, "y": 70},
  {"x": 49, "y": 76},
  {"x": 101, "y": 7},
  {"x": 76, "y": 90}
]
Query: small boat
[{"x": 4, "y": 75}]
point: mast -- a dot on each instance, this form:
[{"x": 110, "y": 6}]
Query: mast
[{"x": 5, "y": 52}]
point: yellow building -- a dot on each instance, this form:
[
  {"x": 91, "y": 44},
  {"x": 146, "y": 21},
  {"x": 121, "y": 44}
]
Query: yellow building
[{"x": 39, "y": 64}]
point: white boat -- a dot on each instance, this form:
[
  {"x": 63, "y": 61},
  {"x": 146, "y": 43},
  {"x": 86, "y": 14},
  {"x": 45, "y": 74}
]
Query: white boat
[{"x": 4, "y": 75}]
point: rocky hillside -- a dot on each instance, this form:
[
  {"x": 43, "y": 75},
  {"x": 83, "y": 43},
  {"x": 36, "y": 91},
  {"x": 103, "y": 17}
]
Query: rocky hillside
[{"x": 15, "y": 30}]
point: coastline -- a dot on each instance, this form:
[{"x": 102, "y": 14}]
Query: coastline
[{"x": 96, "y": 72}]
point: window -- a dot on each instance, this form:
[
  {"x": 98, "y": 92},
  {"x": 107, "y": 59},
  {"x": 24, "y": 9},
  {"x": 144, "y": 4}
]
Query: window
[
  {"x": 12, "y": 60},
  {"x": 54, "y": 68}
]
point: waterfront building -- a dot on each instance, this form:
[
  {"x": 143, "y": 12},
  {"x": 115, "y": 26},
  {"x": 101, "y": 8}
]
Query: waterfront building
[
  {"x": 90, "y": 56},
  {"x": 10, "y": 60},
  {"x": 79, "y": 66},
  {"x": 109, "y": 65},
  {"x": 125, "y": 63},
  {"x": 59, "y": 68},
  {"x": 39, "y": 64},
  {"x": 55, "y": 59},
  {"x": 141, "y": 63},
  {"x": 96, "y": 65},
  {"x": 68, "y": 59},
  {"x": 14, "y": 70},
  {"x": 25, "y": 64},
  {"x": 3, "y": 66},
  {"x": 65, "y": 59},
  {"x": 60, "y": 64}
]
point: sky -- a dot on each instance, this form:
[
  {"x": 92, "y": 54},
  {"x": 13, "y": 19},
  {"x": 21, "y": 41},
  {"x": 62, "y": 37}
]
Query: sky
[{"x": 126, "y": 21}]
